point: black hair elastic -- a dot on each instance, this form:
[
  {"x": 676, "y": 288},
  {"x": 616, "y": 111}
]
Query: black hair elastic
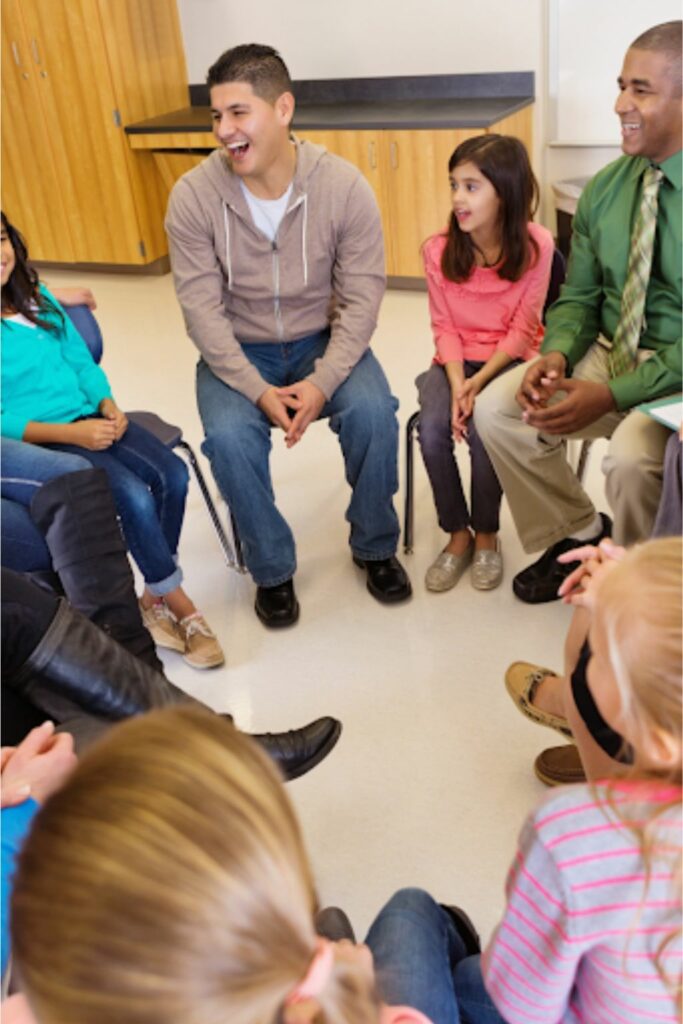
[{"x": 613, "y": 743}]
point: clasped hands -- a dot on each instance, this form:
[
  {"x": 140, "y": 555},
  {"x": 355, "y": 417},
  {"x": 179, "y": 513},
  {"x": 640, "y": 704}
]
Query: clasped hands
[
  {"x": 584, "y": 402},
  {"x": 303, "y": 398},
  {"x": 462, "y": 405},
  {"x": 99, "y": 434}
]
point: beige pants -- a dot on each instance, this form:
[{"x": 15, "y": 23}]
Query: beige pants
[{"x": 545, "y": 497}]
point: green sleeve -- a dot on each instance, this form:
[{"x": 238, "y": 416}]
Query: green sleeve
[{"x": 658, "y": 376}]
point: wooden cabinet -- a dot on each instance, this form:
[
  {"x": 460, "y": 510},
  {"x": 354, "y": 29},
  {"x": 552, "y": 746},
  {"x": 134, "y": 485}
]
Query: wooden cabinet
[
  {"x": 408, "y": 172},
  {"x": 73, "y": 72}
]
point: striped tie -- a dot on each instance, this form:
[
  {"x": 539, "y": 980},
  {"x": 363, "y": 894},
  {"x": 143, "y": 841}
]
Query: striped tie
[{"x": 622, "y": 357}]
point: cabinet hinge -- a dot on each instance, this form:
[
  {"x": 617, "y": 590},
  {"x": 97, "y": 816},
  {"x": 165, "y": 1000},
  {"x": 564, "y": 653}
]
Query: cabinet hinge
[
  {"x": 141, "y": 247},
  {"x": 117, "y": 118}
]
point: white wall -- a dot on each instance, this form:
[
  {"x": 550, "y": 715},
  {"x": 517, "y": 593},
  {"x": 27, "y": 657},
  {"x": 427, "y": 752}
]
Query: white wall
[{"x": 359, "y": 38}]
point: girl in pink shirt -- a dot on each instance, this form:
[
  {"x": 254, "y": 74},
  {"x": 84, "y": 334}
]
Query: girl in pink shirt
[{"x": 487, "y": 278}]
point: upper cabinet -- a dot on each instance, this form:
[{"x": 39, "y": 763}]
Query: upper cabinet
[{"x": 73, "y": 73}]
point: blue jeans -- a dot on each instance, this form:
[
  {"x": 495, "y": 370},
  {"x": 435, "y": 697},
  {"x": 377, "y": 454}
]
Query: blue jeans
[
  {"x": 25, "y": 468},
  {"x": 362, "y": 412},
  {"x": 149, "y": 485},
  {"x": 421, "y": 962}
]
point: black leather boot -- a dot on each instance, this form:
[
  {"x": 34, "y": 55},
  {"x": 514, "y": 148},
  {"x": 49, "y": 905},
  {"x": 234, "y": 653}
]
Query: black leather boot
[
  {"x": 77, "y": 516},
  {"x": 75, "y": 662},
  {"x": 297, "y": 751}
]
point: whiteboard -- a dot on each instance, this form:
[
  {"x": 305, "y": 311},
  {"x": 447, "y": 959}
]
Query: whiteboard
[{"x": 586, "y": 47}]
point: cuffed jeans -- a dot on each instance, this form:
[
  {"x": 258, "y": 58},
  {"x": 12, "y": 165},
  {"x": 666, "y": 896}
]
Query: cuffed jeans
[
  {"x": 547, "y": 501},
  {"x": 421, "y": 962},
  {"x": 149, "y": 485},
  {"x": 25, "y": 468},
  {"x": 435, "y": 433},
  {"x": 362, "y": 412}
]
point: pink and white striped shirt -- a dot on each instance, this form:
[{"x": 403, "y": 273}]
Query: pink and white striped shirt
[{"x": 583, "y": 924}]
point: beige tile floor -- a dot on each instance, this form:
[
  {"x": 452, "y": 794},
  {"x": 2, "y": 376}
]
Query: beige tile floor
[{"x": 432, "y": 777}]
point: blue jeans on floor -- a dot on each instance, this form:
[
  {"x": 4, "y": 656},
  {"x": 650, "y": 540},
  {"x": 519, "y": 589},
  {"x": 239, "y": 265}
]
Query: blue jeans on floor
[
  {"x": 25, "y": 468},
  {"x": 149, "y": 485},
  {"x": 421, "y": 962},
  {"x": 362, "y": 412}
]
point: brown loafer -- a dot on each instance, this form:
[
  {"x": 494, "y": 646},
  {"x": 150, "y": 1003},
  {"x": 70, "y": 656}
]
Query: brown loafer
[
  {"x": 558, "y": 766},
  {"x": 521, "y": 681}
]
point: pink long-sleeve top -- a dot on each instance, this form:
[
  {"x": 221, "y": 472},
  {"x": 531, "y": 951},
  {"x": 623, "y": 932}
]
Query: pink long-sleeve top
[
  {"x": 487, "y": 314},
  {"x": 589, "y": 924}
]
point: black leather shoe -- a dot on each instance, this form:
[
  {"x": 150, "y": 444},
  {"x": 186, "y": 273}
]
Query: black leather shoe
[
  {"x": 297, "y": 751},
  {"x": 466, "y": 930},
  {"x": 277, "y": 606},
  {"x": 539, "y": 582},
  {"x": 387, "y": 579}
]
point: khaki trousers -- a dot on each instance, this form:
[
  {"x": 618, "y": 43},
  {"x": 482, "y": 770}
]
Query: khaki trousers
[{"x": 544, "y": 494}]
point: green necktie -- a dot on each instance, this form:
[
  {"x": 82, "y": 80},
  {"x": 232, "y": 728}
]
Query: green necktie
[{"x": 622, "y": 357}]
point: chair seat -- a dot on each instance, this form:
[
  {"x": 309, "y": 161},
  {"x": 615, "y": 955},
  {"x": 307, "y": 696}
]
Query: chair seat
[{"x": 167, "y": 433}]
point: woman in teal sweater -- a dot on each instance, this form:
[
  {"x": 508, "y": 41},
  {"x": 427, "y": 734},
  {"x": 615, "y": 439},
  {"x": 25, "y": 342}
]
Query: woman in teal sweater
[{"x": 55, "y": 395}]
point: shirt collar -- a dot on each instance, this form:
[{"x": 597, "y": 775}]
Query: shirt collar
[{"x": 673, "y": 169}]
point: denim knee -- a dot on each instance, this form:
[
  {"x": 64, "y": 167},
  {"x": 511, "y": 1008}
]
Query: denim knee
[
  {"x": 411, "y": 900},
  {"x": 368, "y": 416},
  {"x": 434, "y": 432}
]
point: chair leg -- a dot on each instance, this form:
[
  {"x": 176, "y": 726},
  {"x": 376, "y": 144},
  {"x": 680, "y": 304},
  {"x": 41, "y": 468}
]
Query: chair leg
[
  {"x": 233, "y": 556},
  {"x": 409, "y": 507},
  {"x": 583, "y": 460}
]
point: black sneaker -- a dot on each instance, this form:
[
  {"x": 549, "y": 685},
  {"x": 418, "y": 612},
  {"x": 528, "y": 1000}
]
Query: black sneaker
[{"x": 539, "y": 582}]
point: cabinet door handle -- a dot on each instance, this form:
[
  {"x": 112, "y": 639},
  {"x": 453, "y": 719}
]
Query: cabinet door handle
[
  {"x": 34, "y": 51},
  {"x": 16, "y": 55},
  {"x": 372, "y": 156},
  {"x": 393, "y": 152}
]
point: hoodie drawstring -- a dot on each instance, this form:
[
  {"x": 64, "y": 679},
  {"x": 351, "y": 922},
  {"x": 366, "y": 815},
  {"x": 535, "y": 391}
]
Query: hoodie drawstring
[
  {"x": 303, "y": 239},
  {"x": 228, "y": 262}
]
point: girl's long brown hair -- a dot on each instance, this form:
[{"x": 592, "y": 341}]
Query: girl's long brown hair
[
  {"x": 21, "y": 293},
  {"x": 505, "y": 162}
]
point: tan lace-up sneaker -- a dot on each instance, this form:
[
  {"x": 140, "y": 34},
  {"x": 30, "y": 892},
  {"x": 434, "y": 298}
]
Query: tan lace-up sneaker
[
  {"x": 202, "y": 649},
  {"x": 163, "y": 626}
]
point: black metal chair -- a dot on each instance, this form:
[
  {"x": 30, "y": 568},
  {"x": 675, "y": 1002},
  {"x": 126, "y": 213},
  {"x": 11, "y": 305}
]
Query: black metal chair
[
  {"x": 557, "y": 275},
  {"x": 171, "y": 436}
]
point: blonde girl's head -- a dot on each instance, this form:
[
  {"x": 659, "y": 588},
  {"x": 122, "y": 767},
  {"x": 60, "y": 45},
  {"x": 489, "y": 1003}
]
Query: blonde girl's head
[
  {"x": 638, "y": 626},
  {"x": 168, "y": 883}
]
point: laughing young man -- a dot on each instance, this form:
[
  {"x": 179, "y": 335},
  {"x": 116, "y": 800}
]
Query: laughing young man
[
  {"x": 277, "y": 255},
  {"x": 613, "y": 340}
]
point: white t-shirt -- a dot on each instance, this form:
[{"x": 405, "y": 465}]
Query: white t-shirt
[{"x": 267, "y": 213}]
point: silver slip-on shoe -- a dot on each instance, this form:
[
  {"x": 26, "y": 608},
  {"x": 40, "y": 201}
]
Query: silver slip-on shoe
[
  {"x": 487, "y": 569},
  {"x": 447, "y": 569}
]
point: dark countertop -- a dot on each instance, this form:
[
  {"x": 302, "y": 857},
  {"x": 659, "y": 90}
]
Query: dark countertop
[
  {"x": 426, "y": 114},
  {"x": 401, "y": 102}
]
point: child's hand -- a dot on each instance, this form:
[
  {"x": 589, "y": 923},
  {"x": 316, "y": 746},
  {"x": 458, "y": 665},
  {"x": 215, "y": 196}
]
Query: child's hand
[
  {"x": 111, "y": 411},
  {"x": 579, "y": 587},
  {"x": 96, "y": 435},
  {"x": 37, "y": 767},
  {"x": 467, "y": 394},
  {"x": 458, "y": 420}
]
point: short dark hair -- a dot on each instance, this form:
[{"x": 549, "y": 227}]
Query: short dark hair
[
  {"x": 504, "y": 160},
  {"x": 666, "y": 38},
  {"x": 261, "y": 67}
]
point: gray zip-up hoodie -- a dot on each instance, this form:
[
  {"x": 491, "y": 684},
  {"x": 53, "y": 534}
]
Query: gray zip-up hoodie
[{"x": 326, "y": 266}]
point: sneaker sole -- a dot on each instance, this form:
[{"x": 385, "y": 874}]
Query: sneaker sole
[
  {"x": 551, "y": 780},
  {"x": 214, "y": 663},
  {"x": 319, "y": 754}
]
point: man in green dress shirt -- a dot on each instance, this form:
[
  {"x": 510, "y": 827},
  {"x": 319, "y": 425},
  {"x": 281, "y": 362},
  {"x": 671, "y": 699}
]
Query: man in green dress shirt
[{"x": 525, "y": 416}]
